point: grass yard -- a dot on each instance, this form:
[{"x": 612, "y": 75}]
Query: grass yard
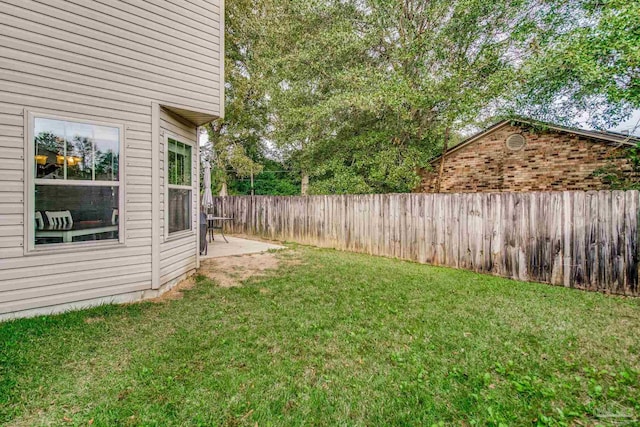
[{"x": 338, "y": 339}]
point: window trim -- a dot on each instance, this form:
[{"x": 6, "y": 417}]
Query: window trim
[
  {"x": 30, "y": 182},
  {"x": 192, "y": 230}
]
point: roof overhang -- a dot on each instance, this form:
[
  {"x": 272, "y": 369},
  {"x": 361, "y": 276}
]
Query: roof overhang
[{"x": 198, "y": 118}]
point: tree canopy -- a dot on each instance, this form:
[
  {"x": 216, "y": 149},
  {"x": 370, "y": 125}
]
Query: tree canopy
[
  {"x": 359, "y": 94},
  {"x": 593, "y": 69}
]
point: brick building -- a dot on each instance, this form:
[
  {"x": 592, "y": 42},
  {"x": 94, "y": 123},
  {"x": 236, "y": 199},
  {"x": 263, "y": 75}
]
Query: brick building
[{"x": 527, "y": 156}]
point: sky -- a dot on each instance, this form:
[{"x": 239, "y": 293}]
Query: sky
[{"x": 629, "y": 125}]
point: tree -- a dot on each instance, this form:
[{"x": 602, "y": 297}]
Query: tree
[
  {"x": 593, "y": 67},
  {"x": 310, "y": 41},
  {"x": 47, "y": 140},
  {"x": 358, "y": 94},
  {"x": 276, "y": 179},
  {"x": 224, "y": 152},
  {"x": 235, "y": 142},
  {"x": 364, "y": 91}
]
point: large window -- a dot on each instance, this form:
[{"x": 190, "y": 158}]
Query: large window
[
  {"x": 76, "y": 181},
  {"x": 179, "y": 186}
]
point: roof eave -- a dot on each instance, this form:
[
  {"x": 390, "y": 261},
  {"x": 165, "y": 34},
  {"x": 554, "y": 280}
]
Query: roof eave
[
  {"x": 630, "y": 142},
  {"x": 196, "y": 117}
]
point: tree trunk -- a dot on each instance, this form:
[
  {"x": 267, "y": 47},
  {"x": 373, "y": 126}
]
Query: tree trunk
[
  {"x": 223, "y": 190},
  {"x": 444, "y": 153},
  {"x": 252, "y": 190},
  {"x": 304, "y": 188}
]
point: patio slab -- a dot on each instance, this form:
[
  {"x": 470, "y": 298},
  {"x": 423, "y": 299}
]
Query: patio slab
[{"x": 236, "y": 246}]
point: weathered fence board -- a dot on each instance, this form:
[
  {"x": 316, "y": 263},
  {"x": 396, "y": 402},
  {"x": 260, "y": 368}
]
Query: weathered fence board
[{"x": 586, "y": 240}]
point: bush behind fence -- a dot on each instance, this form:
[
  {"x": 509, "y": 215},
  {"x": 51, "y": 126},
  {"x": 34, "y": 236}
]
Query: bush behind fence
[{"x": 586, "y": 240}]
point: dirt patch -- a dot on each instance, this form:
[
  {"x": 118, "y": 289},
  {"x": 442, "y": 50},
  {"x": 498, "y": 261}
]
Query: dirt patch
[
  {"x": 176, "y": 292},
  {"x": 232, "y": 271}
]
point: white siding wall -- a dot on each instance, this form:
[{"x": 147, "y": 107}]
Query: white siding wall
[
  {"x": 177, "y": 255},
  {"x": 102, "y": 60},
  {"x": 168, "y": 51}
]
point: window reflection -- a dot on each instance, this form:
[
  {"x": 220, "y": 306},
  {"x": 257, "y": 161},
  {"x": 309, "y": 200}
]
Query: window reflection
[
  {"x": 107, "y": 146},
  {"x": 65, "y": 209},
  {"x": 76, "y": 151},
  {"x": 65, "y": 213},
  {"x": 179, "y": 210},
  {"x": 80, "y": 159},
  {"x": 50, "y": 147},
  {"x": 179, "y": 182},
  {"x": 179, "y": 163}
]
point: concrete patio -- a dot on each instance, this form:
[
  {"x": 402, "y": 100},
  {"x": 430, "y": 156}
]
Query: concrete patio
[{"x": 236, "y": 246}]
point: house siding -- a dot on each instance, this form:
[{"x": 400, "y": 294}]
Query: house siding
[
  {"x": 177, "y": 255},
  {"x": 103, "y": 61},
  {"x": 550, "y": 161}
]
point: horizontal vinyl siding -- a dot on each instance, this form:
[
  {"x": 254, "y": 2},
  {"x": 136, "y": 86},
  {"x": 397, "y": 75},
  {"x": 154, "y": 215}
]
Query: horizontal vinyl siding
[
  {"x": 78, "y": 296},
  {"x": 105, "y": 32},
  {"x": 11, "y": 182},
  {"x": 107, "y": 72},
  {"x": 77, "y": 281},
  {"x": 169, "y": 52},
  {"x": 41, "y": 280},
  {"x": 11, "y": 230},
  {"x": 207, "y": 18},
  {"x": 106, "y": 61},
  {"x": 154, "y": 28},
  {"x": 177, "y": 255}
]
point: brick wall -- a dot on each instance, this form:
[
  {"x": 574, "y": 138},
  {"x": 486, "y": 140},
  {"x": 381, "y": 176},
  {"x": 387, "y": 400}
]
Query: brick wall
[{"x": 550, "y": 160}]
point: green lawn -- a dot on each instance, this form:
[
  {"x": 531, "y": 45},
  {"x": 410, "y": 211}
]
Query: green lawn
[{"x": 340, "y": 339}]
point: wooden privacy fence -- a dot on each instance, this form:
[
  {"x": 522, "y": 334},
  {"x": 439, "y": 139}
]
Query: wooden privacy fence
[{"x": 586, "y": 240}]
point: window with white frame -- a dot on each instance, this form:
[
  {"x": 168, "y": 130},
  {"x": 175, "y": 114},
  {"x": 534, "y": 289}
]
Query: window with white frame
[
  {"x": 76, "y": 180},
  {"x": 179, "y": 186}
]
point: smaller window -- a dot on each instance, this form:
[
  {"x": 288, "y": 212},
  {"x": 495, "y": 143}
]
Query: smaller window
[
  {"x": 179, "y": 189},
  {"x": 515, "y": 142}
]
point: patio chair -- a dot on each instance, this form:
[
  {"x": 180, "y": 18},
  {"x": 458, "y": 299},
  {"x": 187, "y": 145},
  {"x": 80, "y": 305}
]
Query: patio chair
[
  {"x": 115, "y": 219},
  {"x": 59, "y": 219},
  {"x": 204, "y": 244},
  {"x": 39, "y": 220}
]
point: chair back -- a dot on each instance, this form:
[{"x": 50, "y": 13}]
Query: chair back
[
  {"x": 115, "y": 216},
  {"x": 39, "y": 220},
  {"x": 59, "y": 219}
]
